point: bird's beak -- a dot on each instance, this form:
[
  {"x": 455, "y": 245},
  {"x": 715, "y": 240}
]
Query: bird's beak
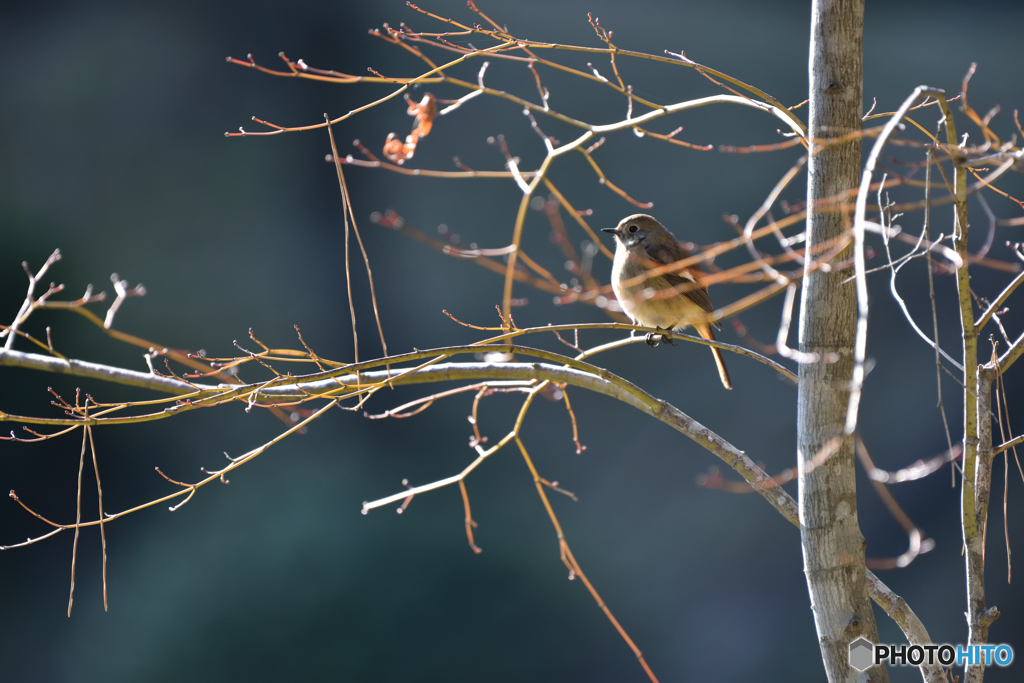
[{"x": 614, "y": 231}]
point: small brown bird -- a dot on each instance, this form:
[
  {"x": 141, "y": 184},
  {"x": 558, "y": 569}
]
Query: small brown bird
[{"x": 668, "y": 301}]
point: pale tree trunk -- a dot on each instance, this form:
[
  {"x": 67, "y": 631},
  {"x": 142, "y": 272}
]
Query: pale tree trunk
[{"x": 833, "y": 547}]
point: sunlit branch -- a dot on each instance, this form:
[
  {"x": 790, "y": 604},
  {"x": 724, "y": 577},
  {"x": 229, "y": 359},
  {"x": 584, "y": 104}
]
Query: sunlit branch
[{"x": 860, "y": 344}]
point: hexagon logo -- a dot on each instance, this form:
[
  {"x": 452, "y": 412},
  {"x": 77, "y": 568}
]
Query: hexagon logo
[{"x": 862, "y": 654}]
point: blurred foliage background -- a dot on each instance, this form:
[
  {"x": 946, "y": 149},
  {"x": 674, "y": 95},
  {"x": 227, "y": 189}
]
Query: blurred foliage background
[{"x": 111, "y": 148}]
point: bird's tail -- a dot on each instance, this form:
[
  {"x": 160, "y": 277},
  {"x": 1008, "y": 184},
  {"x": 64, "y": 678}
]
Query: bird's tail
[{"x": 706, "y": 332}]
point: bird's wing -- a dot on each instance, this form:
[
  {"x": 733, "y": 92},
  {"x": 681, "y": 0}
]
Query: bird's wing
[{"x": 691, "y": 288}]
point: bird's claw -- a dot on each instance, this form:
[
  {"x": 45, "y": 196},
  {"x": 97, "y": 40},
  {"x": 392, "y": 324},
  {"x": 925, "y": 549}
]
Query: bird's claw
[{"x": 655, "y": 338}]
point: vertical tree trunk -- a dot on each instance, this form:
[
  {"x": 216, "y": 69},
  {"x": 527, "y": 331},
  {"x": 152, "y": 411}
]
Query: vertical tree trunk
[{"x": 833, "y": 547}]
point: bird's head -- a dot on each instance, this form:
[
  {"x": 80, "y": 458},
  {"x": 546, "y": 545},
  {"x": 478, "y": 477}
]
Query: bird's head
[{"x": 639, "y": 230}]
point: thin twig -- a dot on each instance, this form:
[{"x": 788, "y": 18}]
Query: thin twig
[
  {"x": 470, "y": 524},
  {"x": 99, "y": 494},
  {"x": 78, "y": 521}
]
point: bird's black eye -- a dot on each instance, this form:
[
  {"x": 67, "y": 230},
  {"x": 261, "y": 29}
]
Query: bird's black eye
[{"x": 632, "y": 228}]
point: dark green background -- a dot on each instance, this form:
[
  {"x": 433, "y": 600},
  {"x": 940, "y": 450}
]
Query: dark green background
[{"x": 111, "y": 148}]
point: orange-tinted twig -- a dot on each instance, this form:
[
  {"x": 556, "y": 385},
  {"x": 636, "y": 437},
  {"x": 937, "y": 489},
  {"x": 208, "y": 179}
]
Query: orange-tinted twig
[
  {"x": 671, "y": 137},
  {"x": 612, "y": 186},
  {"x": 919, "y": 544},
  {"x": 713, "y": 479},
  {"x": 470, "y": 524}
]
